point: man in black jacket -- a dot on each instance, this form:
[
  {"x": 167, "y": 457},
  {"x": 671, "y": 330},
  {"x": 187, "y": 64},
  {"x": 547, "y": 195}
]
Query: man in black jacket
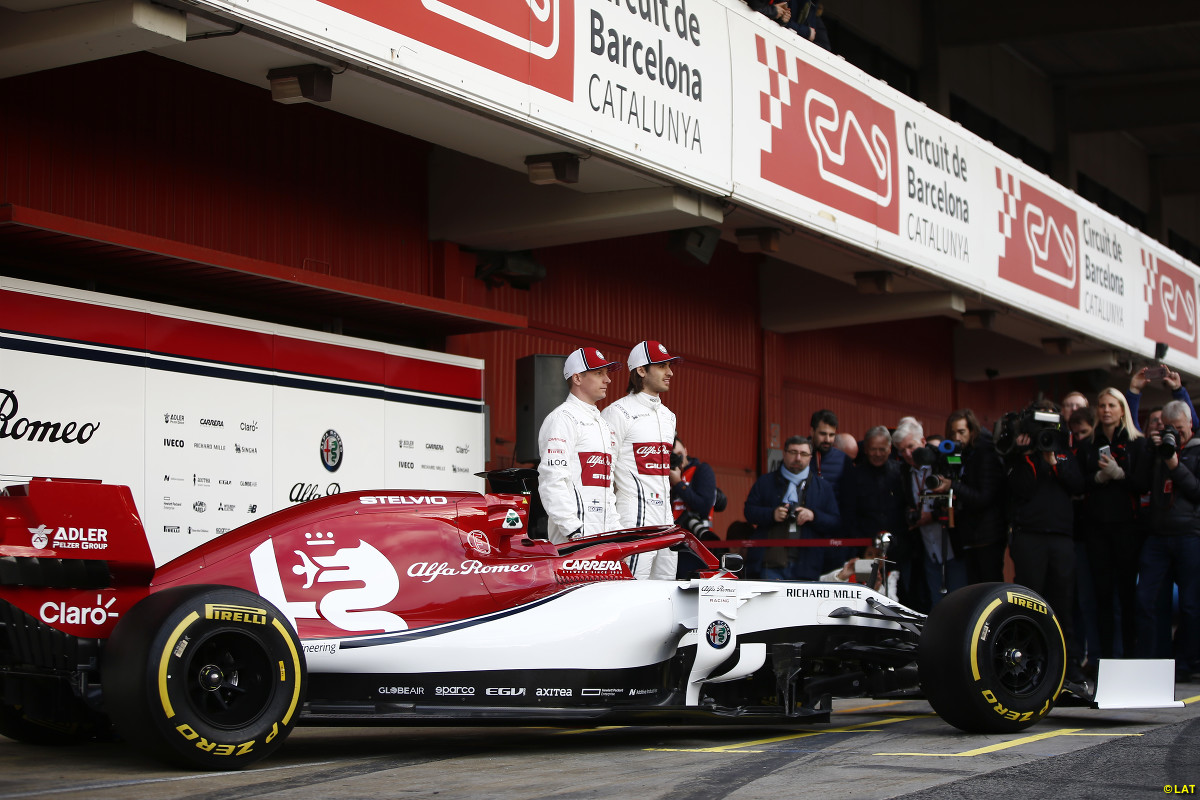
[
  {"x": 873, "y": 497},
  {"x": 1041, "y": 484},
  {"x": 1173, "y": 546},
  {"x": 979, "y": 500}
]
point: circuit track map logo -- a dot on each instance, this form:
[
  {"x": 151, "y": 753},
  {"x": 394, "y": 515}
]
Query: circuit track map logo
[
  {"x": 531, "y": 41},
  {"x": 829, "y": 142},
  {"x": 1040, "y": 248},
  {"x": 1171, "y": 303}
]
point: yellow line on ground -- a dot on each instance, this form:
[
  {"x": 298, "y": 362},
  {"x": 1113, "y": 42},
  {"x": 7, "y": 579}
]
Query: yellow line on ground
[
  {"x": 1014, "y": 743},
  {"x": 870, "y": 708},
  {"x": 1190, "y": 700},
  {"x": 864, "y": 727},
  {"x": 589, "y": 730}
]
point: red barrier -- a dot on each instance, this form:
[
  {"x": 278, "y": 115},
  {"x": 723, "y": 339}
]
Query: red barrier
[{"x": 728, "y": 543}]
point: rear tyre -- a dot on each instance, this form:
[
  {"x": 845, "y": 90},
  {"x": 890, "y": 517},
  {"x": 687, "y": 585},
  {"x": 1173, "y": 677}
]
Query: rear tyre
[
  {"x": 208, "y": 677},
  {"x": 992, "y": 658}
]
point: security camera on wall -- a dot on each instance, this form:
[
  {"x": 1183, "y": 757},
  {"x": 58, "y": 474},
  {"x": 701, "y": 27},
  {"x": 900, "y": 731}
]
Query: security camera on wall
[{"x": 698, "y": 243}]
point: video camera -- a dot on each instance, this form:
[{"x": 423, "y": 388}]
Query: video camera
[
  {"x": 945, "y": 458},
  {"x": 1044, "y": 429}
]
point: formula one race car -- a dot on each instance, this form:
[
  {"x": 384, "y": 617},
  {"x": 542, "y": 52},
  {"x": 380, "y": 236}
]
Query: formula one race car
[{"x": 400, "y": 608}]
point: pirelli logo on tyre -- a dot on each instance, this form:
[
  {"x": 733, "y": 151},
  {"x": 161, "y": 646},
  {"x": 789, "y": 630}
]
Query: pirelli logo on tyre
[
  {"x": 224, "y": 612},
  {"x": 1025, "y": 601}
]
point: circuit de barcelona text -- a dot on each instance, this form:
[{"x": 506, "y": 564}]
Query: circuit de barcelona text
[{"x": 650, "y": 69}]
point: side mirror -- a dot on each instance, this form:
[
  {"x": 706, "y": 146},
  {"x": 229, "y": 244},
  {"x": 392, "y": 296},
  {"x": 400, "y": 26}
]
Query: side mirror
[{"x": 731, "y": 562}]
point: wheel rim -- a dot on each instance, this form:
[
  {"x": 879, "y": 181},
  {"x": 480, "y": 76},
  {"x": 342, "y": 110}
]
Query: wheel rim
[
  {"x": 227, "y": 679},
  {"x": 1020, "y": 656}
]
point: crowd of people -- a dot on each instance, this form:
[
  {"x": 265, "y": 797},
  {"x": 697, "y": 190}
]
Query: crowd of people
[{"x": 1101, "y": 517}]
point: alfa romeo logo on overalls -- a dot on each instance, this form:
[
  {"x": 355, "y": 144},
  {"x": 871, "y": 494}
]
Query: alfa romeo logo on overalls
[
  {"x": 331, "y": 450},
  {"x": 718, "y": 633}
]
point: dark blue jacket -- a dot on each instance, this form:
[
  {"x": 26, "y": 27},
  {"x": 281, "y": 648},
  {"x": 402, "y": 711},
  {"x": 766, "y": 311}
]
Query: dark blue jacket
[
  {"x": 831, "y": 467},
  {"x": 767, "y": 494}
]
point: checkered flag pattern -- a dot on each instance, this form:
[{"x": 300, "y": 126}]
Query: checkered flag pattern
[
  {"x": 1011, "y": 189},
  {"x": 779, "y": 94},
  {"x": 1149, "y": 287}
]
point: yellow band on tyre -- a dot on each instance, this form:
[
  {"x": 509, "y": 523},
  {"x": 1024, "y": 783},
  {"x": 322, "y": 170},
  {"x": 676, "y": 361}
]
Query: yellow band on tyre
[
  {"x": 164, "y": 661},
  {"x": 987, "y": 612},
  {"x": 295, "y": 669}
]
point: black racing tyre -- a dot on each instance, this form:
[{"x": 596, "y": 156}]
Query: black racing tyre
[
  {"x": 992, "y": 658},
  {"x": 208, "y": 677}
]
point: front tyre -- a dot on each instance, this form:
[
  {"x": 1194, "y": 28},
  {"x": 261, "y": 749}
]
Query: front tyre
[
  {"x": 992, "y": 658},
  {"x": 208, "y": 677}
]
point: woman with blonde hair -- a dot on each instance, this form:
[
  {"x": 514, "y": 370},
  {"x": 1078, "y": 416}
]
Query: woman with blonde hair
[{"x": 1110, "y": 507}]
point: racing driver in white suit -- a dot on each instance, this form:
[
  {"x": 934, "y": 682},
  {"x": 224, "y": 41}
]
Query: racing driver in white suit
[
  {"x": 577, "y": 447},
  {"x": 645, "y": 432}
]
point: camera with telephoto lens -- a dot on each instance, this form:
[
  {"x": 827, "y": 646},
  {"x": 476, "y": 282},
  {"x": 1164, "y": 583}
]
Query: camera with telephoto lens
[
  {"x": 945, "y": 460},
  {"x": 676, "y": 460},
  {"x": 1169, "y": 445},
  {"x": 698, "y": 526},
  {"x": 1044, "y": 429}
]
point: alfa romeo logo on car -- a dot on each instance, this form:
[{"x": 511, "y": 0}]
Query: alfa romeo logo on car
[
  {"x": 331, "y": 450},
  {"x": 718, "y": 633}
]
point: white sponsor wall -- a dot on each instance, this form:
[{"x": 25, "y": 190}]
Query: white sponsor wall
[
  {"x": 214, "y": 421},
  {"x": 723, "y": 100}
]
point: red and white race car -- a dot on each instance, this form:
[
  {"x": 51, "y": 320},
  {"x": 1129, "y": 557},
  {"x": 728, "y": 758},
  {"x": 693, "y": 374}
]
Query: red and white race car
[{"x": 390, "y": 607}]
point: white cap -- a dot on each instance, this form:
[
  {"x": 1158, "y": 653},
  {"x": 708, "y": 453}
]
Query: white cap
[
  {"x": 585, "y": 359},
  {"x": 649, "y": 352}
]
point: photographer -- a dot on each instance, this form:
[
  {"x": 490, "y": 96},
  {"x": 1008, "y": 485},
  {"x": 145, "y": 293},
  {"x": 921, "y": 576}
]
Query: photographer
[
  {"x": 1042, "y": 478},
  {"x": 793, "y": 502},
  {"x": 693, "y": 485},
  {"x": 943, "y": 573},
  {"x": 979, "y": 499},
  {"x": 1169, "y": 469}
]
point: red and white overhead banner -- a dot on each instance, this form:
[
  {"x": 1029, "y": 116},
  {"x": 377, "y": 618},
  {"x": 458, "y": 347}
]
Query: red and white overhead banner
[
  {"x": 648, "y": 81},
  {"x": 830, "y": 148},
  {"x": 716, "y": 97},
  {"x": 529, "y": 41}
]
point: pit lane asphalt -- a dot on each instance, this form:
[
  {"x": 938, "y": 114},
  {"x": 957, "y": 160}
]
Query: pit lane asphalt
[{"x": 871, "y": 749}]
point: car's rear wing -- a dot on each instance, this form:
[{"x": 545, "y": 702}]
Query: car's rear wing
[{"x": 71, "y": 533}]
